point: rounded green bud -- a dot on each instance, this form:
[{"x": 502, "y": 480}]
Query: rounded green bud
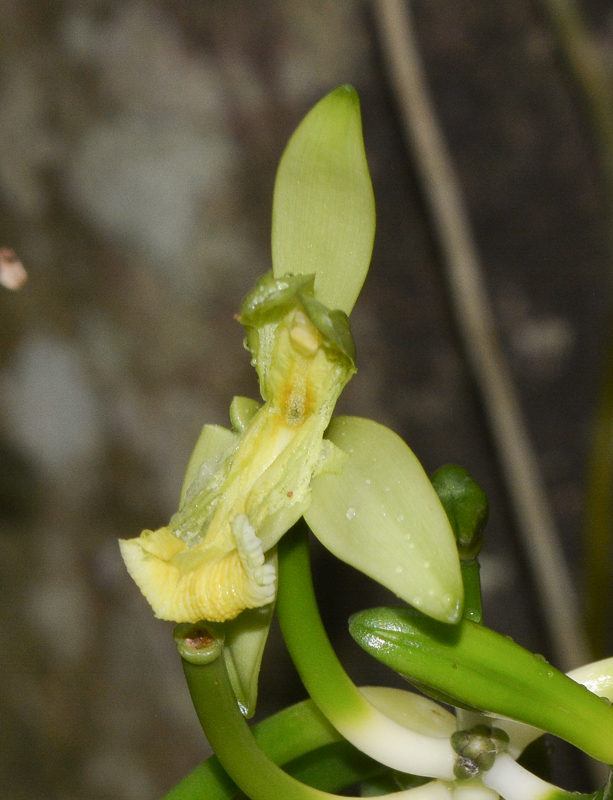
[
  {"x": 466, "y": 506},
  {"x": 500, "y": 739},
  {"x": 477, "y": 749}
]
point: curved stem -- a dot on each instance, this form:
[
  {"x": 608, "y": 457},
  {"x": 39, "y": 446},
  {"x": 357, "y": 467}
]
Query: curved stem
[
  {"x": 286, "y": 736},
  {"x": 248, "y": 766},
  {"x": 330, "y": 768},
  {"x": 329, "y": 685}
]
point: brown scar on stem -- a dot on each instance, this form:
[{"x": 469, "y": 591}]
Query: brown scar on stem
[{"x": 201, "y": 639}]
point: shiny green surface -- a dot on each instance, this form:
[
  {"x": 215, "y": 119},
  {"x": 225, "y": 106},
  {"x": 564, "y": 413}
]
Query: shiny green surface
[{"x": 480, "y": 668}]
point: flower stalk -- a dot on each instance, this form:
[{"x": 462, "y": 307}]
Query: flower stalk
[
  {"x": 332, "y": 690},
  {"x": 238, "y": 752}
]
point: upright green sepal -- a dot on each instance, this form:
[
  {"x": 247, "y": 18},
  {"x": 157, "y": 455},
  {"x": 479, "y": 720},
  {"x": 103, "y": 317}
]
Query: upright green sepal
[
  {"x": 323, "y": 219},
  {"x": 381, "y": 515}
]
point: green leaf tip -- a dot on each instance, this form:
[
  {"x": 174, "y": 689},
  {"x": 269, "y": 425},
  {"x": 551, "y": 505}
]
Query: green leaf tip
[{"x": 323, "y": 219}]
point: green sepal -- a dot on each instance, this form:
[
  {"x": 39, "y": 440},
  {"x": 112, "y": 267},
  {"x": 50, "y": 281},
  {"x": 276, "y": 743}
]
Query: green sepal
[
  {"x": 213, "y": 445},
  {"x": 245, "y": 639},
  {"x": 480, "y": 668},
  {"x": 323, "y": 218},
  {"x": 381, "y": 515},
  {"x": 242, "y": 411}
]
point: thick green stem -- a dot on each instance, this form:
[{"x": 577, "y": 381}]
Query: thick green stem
[
  {"x": 230, "y": 737},
  {"x": 288, "y": 735},
  {"x": 329, "y": 685},
  {"x": 324, "y": 677},
  {"x": 330, "y": 768},
  {"x": 246, "y": 764}
]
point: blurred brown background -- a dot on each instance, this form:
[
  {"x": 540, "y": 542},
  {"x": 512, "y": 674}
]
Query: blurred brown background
[{"x": 138, "y": 147}]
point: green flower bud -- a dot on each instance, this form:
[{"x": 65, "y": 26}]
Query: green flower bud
[{"x": 466, "y": 506}]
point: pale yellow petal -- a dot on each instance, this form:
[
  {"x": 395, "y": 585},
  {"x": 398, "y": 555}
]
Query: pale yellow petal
[{"x": 189, "y": 584}]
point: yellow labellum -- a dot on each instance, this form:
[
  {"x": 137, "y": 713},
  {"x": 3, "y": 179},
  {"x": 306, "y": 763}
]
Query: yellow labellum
[{"x": 209, "y": 562}]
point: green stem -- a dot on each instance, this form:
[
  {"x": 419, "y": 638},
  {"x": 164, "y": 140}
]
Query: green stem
[
  {"x": 320, "y": 670},
  {"x": 329, "y": 685},
  {"x": 330, "y": 768},
  {"x": 230, "y": 737},
  {"x": 238, "y": 752},
  {"x": 472, "y": 591},
  {"x": 285, "y": 736}
]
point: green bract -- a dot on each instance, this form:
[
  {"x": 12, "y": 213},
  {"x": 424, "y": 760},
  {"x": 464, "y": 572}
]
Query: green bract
[
  {"x": 472, "y": 665},
  {"x": 323, "y": 217}
]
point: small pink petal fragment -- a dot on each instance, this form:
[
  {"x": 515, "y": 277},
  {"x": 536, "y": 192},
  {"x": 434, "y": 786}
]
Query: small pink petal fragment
[{"x": 12, "y": 272}]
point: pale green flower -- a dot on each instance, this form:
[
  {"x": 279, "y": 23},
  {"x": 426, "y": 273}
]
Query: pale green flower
[{"x": 361, "y": 489}]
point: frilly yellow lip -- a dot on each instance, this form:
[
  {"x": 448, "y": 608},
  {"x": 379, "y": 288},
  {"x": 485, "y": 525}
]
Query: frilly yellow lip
[
  {"x": 190, "y": 584},
  {"x": 209, "y": 562}
]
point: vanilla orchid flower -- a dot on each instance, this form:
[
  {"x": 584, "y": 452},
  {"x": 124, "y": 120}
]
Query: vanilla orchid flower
[{"x": 360, "y": 488}]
